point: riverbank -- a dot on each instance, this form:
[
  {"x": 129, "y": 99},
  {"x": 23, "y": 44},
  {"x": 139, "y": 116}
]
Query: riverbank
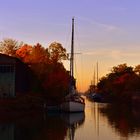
[
  {"x": 11, "y": 109},
  {"x": 132, "y": 101}
]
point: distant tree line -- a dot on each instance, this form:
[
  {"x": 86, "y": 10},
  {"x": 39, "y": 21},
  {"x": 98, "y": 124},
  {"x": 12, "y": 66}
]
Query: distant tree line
[
  {"x": 50, "y": 76},
  {"x": 121, "y": 84}
]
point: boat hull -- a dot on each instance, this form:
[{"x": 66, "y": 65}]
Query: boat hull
[{"x": 72, "y": 106}]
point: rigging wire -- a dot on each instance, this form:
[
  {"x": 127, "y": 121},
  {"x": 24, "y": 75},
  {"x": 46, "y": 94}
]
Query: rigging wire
[
  {"x": 67, "y": 43},
  {"x": 80, "y": 80},
  {"x": 68, "y": 38}
]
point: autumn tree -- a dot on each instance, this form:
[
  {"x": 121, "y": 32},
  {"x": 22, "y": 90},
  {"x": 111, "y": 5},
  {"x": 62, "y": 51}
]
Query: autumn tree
[
  {"x": 121, "y": 83},
  {"x": 9, "y": 46},
  {"x": 39, "y": 63},
  {"x": 137, "y": 69},
  {"x": 57, "y": 52},
  {"x": 47, "y": 70},
  {"x": 47, "y": 67},
  {"x": 57, "y": 82},
  {"x": 122, "y": 68},
  {"x": 58, "y": 78},
  {"x": 24, "y": 53},
  {"x": 39, "y": 54}
]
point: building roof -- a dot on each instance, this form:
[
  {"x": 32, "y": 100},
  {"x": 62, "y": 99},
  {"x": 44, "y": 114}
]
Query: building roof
[{"x": 6, "y": 59}]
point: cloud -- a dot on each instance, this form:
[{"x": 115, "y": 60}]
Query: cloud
[
  {"x": 114, "y": 54},
  {"x": 107, "y": 27}
]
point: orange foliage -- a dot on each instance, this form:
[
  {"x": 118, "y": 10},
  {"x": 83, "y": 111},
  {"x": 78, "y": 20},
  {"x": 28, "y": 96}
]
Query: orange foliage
[
  {"x": 47, "y": 67},
  {"x": 24, "y": 53},
  {"x": 39, "y": 54}
]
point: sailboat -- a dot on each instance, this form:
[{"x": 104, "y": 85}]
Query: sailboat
[
  {"x": 93, "y": 94},
  {"x": 73, "y": 102}
]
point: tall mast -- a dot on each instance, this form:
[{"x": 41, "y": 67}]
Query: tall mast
[
  {"x": 72, "y": 51},
  {"x": 94, "y": 78},
  {"x": 97, "y": 73},
  {"x": 94, "y": 81}
]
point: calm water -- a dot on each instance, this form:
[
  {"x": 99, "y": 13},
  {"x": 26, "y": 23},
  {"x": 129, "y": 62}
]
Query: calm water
[{"x": 99, "y": 122}]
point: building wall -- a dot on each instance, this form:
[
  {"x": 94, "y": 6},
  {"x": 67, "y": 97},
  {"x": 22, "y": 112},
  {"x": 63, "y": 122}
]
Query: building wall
[
  {"x": 15, "y": 76},
  {"x": 7, "y": 80},
  {"x": 7, "y": 132}
]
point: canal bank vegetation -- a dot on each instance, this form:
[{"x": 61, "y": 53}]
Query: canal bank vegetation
[
  {"x": 121, "y": 85},
  {"x": 48, "y": 78}
]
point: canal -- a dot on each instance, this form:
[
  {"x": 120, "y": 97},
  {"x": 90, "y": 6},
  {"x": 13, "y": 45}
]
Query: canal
[{"x": 99, "y": 122}]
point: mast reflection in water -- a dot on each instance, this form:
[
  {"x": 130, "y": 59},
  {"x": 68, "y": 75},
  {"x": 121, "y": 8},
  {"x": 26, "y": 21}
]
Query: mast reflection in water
[{"x": 73, "y": 122}]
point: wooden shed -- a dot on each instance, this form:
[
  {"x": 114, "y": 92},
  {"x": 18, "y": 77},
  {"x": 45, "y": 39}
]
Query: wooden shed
[
  {"x": 14, "y": 76},
  {"x": 7, "y": 76}
]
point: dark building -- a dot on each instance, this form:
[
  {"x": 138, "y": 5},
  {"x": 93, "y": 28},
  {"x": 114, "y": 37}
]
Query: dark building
[{"x": 14, "y": 76}]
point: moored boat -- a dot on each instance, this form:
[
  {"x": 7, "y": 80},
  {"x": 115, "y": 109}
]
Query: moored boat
[{"x": 73, "y": 102}]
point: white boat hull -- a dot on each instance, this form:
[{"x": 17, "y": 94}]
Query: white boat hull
[{"x": 72, "y": 106}]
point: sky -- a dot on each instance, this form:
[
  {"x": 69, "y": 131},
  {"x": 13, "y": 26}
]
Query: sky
[{"x": 107, "y": 31}]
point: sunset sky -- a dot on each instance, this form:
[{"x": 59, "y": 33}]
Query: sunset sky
[{"x": 107, "y": 31}]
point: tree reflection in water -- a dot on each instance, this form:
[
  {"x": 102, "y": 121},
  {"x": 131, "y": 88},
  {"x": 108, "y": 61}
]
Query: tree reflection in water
[
  {"x": 126, "y": 120},
  {"x": 54, "y": 126},
  {"x": 39, "y": 127}
]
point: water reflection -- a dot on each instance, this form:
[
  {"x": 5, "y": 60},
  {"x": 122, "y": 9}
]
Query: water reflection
[
  {"x": 73, "y": 122},
  {"x": 100, "y": 122},
  {"x": 125, "y": 120},
  {"x": 54, "y": 126}
]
